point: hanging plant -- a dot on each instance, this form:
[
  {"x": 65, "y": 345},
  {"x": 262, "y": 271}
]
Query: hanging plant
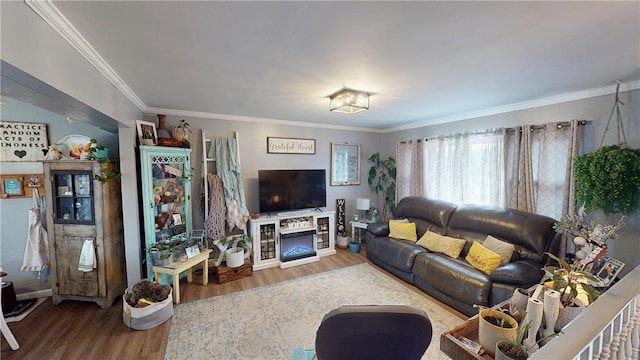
[{"x": 608, "y": 179}]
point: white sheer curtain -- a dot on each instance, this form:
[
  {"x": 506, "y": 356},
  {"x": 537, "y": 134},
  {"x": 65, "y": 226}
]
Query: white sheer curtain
[
  {"x": 466, "y": 168},
  {"x": 410, "y": 168},
  {"x": 527, "y": 168}
]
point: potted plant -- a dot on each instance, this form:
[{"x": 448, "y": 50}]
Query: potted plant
[
  {"x": 494, "y": 325},
  {"x": 571, "y": 281},
  {"x": 516, "y": 349},
  {"x": 608, "y": 179},
  {"x": 161, "y": 254},
  {"x": 102, "y": 155},
  {"x": 181, "y": 132},
  {"x": 382, "y": 179},
  {"x": 342, "y": 239},
  {"x": 373, "y": 213},
  {"x": 239, "y": 247}
]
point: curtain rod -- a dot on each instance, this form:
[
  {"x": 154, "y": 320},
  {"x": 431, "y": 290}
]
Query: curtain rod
[{"x": 559, "y": 125}]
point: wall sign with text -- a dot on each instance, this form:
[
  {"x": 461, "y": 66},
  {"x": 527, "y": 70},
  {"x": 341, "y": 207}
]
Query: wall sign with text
[
  {"x": 276, "y": 145},
  {"x": 23, "y": 141},
  {"x": 341, "y": 217}
]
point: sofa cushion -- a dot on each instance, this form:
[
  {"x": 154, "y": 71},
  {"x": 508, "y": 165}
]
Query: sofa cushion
[
  {"x": 404, "y": 231},
  {"x": 482, "y": 258},
  {"x": 397, "y": 253},
  {"x": 454, "y": 277},
  {"x": 442, "y": 244},
  {"x": 502, "y": 248}
]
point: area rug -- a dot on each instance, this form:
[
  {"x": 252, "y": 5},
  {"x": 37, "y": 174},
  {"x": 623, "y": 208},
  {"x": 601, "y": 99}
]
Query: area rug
[{"x": 268, "y": 322}]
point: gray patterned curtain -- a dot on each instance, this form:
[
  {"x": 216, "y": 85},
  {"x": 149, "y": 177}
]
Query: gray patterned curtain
[
  {"x": 410, "y": 168},
  {"x": 539, "y": 168}
]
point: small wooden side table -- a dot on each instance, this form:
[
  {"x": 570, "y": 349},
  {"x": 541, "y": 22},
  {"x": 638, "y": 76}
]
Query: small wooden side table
[
  {"x": 177, "y": 267},
  {"x": 362, "y": 224}
]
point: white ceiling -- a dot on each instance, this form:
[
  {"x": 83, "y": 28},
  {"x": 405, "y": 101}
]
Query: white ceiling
[{"x": 426, "y": 62}]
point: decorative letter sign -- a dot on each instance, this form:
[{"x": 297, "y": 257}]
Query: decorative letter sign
[
  {"x": 340, "y": 209},
  {"x": 22, "y": 141}
]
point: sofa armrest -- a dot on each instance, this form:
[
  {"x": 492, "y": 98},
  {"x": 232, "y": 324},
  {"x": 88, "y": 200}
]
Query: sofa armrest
[
  {"x": 521, "y": 272},
  {"x": 379, "y": 228}
]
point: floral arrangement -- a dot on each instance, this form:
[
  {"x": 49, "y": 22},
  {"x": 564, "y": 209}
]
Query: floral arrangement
[{"x": 587, "y": 234}]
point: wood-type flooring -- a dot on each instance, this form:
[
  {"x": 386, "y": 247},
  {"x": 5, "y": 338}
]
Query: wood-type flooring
[{"x": 83, "y": 330}]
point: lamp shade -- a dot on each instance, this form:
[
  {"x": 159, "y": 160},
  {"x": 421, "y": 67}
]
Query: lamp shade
[
  {"x": 348, "y": 101},
  {"x": 362, "y": 204}
]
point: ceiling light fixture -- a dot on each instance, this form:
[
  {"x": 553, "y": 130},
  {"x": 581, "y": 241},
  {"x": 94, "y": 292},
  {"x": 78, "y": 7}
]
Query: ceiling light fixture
[{"x": 349, "y": 101}]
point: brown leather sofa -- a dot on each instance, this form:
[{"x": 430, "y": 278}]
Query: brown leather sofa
[{"x": 454, "y": 281}]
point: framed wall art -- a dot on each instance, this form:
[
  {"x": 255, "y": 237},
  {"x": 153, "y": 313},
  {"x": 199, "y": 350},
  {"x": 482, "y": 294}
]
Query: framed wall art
[
  {"x": 147, "y": 133},
  {"x": 345, "y": 164},
  {"x": 278, "y": 145}
]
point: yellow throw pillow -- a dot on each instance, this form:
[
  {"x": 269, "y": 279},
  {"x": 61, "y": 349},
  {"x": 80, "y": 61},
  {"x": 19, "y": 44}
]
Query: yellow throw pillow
[
  {"x": 482, "y": 258},
  {"x": 502, "y": 248},
  {"x": 442, "y": 244},
  {"x": 406, "y": 231}
]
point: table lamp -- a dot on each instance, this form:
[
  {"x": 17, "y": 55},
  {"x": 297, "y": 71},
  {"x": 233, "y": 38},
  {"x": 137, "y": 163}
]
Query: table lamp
[{"x": 362, "y": 204}]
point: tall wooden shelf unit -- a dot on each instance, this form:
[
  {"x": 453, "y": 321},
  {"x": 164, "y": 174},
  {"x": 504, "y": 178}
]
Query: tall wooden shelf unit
[
  {"x": 165, "y": 174},
  {"x": 80, "y": 208}
]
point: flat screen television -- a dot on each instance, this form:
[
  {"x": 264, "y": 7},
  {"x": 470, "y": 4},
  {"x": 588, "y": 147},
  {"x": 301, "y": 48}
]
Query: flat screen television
[{"x": 285, "y": 190}]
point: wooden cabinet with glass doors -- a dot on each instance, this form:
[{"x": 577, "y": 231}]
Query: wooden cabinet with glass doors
[{"x": 83, "y": 213}]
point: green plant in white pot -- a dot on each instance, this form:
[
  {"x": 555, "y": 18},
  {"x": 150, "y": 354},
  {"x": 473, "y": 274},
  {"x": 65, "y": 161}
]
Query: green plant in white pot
[
  {"x": 239, "y": 248},
  {"x": 342, "y": 239},
  {"x": 494, "y": 325}
]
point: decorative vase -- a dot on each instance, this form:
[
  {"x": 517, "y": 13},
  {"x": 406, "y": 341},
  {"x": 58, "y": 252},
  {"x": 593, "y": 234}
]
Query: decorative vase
[
  {"x": 518, "y": 302},
  {"x": 163, "y": 133},
  {"x": 567, "y": 314},
  {"x": 102, "y": 154},
  {"x": 342, "y": 242},
  {"x": 235, "y": 257},
  {"x": 535, "y": 308},
  {"x": 354, "y": 247},
  {"x": 551, "y": 311},
  {"x": 155, "y": 257},
  {"x": 489, "y": 334}
]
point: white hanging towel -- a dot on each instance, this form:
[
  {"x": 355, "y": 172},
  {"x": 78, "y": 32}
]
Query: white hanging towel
[
  {"x": 87, "y": 256},
  {"x": 36, "y": 252}
]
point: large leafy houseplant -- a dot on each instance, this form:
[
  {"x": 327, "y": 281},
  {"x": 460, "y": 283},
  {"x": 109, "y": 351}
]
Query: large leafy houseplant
[
  {"x": 568, "y": 278},
  {"x": 382, "y": 179},
  {"x": 608, "y": 179}
]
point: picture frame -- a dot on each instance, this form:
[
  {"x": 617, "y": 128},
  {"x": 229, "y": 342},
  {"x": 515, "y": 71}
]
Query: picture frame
[
  {"x": 606, "y": 269},
  {"x": 278, "y": 145},
  {"x": 177, "y": 219},
  {"x": 192, "y": 251},
  {"x": 175, "y": 189},
  {"x": 10, "y": 187},
  {"x": 147, "y": 133},
  {"x": 345, "y": 164}
]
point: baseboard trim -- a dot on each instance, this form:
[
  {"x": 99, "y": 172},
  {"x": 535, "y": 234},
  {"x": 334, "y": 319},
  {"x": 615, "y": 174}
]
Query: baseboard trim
[{"x": 34, "y": 295}]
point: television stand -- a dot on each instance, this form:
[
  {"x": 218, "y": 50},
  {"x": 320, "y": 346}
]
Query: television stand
[{"x": 266, "y": 233}]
